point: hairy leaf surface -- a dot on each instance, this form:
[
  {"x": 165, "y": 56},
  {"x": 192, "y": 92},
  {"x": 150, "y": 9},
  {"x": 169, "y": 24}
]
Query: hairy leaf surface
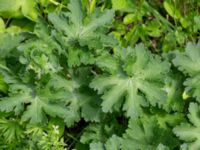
[
  {"x": 137, "y": 82},
  {"x": 189, "y": 62},
  {"x": 188, "y": 132}
]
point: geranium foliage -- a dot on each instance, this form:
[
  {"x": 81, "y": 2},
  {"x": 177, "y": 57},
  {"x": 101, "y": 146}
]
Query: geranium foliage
[{"x": 99, "y": 75}]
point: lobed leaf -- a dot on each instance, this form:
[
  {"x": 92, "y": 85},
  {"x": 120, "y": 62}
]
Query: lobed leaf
[
  {"x": 188, "y": 132},
  {"x": 139, "y": 84}
]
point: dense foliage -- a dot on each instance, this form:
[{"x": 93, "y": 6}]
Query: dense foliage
[{"x": 99, "y": 75}]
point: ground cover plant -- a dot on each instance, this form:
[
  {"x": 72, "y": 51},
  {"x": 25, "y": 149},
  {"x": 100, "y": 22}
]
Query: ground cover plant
[{"x": 99, "y": 75}]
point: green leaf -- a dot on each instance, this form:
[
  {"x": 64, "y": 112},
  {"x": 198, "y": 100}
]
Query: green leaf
[
  {"x": 76, "y": 57},
  {"x": 28, "y": 9},
  {"x": 21, "y": 25},
  {"x": 76, "y": 13},
  {"x": 193, "y": 86},
  {"x": 169, "y": 120},
  {"x": 79, "y": 33},
  {"x": 107, "y": 63},
  {"x": 96, "y": 146},
  {"x": 3, "y": 85},
  {"x": 14, "y": 103},
  {"x": 11, "y": 130},
  {"x": 112, "y": 143},
  {"x": 79, "y": 98},
  {"x": 139, "y": 84},
  {"x": 154, "y": 29},
  {"x": 9, "y": 42},
  {"x": 39, "y": 56},
  {"x": 92, "y": 133},
  {"x": 197, "y": 22},
  {"x": 171, "y": 9},
  {"x": 65, "y": 100},
  {"x": 188, "y": 132},
  {"x": 77, "y": 29},
  {"x": 145, "y": 133},
  {"x": 162, "y": 147},
  {"x": 18, "y": 9},
  {"x": 174, "y": 89},
  {"x": 41, "y": 102},
  {"x": 10, "y": 8},
  {"x": 103, "y": 131},
  {"x": 129, "y": 18},
  {"x": 188, "y": 62},
  {"x": 90, "y": 108},
  {"x": 123, "y": 5},
  {"x": 2, "y": 25}
]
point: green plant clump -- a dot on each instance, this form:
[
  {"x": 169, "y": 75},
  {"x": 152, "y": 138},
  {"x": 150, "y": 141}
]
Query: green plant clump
[{"x": 99, "y": 75}]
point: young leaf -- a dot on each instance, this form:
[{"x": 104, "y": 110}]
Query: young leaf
[
  {"x": 82, "y": 35},
  {"x": 73, "y": 26}
]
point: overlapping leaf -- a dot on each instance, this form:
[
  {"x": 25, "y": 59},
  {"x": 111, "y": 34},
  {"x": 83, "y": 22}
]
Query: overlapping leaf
[
  {"x": 18, "y": 8},
  {"x": 11, "y": 129},
  {"x": 189, "y": 62},
  {"x": 145, "y": 133},
  {"x": 75, "y": 32},
  {"x": 174, "y": 89},
  {"x": 112, "y": 143},
  {"x": 75, "y": 29},
  {"x": 138, "y": 83},
  {"x": 59, "y": 97},
  {"x": 40, "y": 53},
  {"x": 40, "y": 102},
  {"x": 9, "y": 42},
  {"x": 188, "y": 132}
]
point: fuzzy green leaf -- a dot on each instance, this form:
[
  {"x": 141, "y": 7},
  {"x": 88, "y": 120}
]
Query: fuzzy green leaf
[
  {"x": 73, "y": 26},
  {"x": 8, "y": 43},
  {"x": 139, "y": 84},
  {"x": 145, "y": 133},
  {"x": 188, "y": 132},
  {"x": 188, "y": 62},
  {"x": 41, "y": 102},
  {"x": 174, "y": 89},
  {"x": 79, "y": 33},
  {"x": 112, "y": 143}
]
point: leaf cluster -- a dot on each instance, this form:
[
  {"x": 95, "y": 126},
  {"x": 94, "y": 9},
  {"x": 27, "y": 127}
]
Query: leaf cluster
[{"x": 75, "y": 80}]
